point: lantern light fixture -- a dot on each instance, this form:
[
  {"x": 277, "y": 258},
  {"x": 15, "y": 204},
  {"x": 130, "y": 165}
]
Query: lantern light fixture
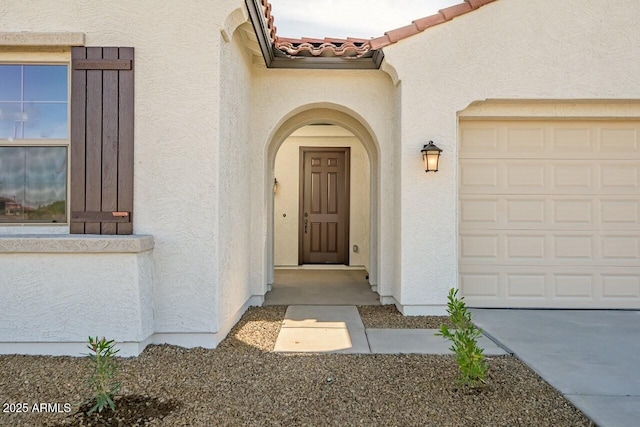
[{"x": 431, "y": 157}]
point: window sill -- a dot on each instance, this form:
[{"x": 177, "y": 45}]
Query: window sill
[{"x": 72, "y": 243}]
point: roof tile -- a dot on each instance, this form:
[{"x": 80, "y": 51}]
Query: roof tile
[
  {"x": 357, "y": 47},
  {"x": 459, "y": 9},
  {"x": 266, "y": 8},
  {"x": 477, "y": 3},
  {"x": 429, "y": 21},
  {"x": 313, "y": 48},
  {"x": 402, "y": 32},
  {"x": 380, "y": 42}
]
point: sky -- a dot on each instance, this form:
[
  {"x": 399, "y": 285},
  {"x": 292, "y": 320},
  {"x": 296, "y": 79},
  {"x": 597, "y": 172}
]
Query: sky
[{"x": 349, "y": 18}]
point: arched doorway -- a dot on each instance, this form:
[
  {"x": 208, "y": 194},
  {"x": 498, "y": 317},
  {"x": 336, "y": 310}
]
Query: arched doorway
[{"x": 304, "y": 122}]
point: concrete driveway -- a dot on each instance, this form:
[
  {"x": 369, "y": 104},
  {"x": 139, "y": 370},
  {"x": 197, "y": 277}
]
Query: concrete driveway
[{"x": 591, "y": 356}]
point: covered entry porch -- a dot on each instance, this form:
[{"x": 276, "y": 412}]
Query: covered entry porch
[{"x": 321, "y": 285}]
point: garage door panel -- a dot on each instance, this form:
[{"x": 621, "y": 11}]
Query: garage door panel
[
  {"x": 573, "y": 248},
  {"x": 526, "y": 286},
  {"x": 573, "y": 286},
  {"x": 619, "y": 177},
  {"x": 479, "y": 212},
  {"x": 571, "y": 138},
  {"x": 550, "y": 248},
  {"x": 549, "y": 214},
  {"x": 480, "y": 176},
  {"x": 552, "y": 212},
  {"x": 481, "y": 286},
  {"x": 555, "y": 287},
  {"x": 572, "y": 177},
  {"x": 525, "y": 212},
  {"x": 537, "y": 176},
  {"x": 558, "y": 139},
  {"x": 529, "y": 140},
  {"x": 621, "y": 286},
  {"x": 572, "y": 212},
  {"x": 524, "y": 247},
  {"x": 524, "y": 176},
  {"x": 619, "y": 139},
  {"x": 479, "y": 247},
  {"x": 479, "y": 139},
  {"x": 489, "y": 176},
  {"x": 616, "y": 212},
  {"x": 620, "y": 248}
]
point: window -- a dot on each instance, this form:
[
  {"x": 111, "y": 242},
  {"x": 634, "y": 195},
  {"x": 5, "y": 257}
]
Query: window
[
  {"x": 34, "y": 142},
  {"x": 66, "y": 149}
]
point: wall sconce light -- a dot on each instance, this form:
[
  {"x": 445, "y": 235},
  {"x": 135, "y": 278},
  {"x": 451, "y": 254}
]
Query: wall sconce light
[
  {"x": 275, "y": 185},
  {"x": 431, "y": 157}
]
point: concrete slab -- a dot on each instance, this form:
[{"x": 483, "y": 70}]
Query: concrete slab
[
  {"x": 590, "y": 356},
  {"x": 322, "y": 316},
  {"x": 420, "y": 341},
  {"x": 321, "y": 287},
  {"x": 608, "y": 410},
  {"x": 322, "y": 329},
  {"x": 322, "y": 340}
]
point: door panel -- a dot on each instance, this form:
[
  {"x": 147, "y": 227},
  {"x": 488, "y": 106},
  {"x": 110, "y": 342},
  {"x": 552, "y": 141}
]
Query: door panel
[{"x": 324, "y": 205}]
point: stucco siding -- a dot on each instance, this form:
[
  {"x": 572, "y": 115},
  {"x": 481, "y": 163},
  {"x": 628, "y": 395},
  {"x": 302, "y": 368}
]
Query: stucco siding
[
  {"x": 366, "y": 96},
  {"x": 177, "y": 127},
  {"x": 234, "y": 175},
  {"x": 512, "y": 49},
  {"x": 42, "y": 301}
]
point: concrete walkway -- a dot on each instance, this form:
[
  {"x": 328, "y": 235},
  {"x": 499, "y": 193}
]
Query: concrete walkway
[
  {"x": 339, "y": 329},
  {"x": 591, "y": 356}
]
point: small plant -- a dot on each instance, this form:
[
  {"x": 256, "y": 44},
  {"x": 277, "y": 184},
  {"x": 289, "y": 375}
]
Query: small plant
[
  {"x": 102, "y": 379},
  {"x": 470, "y": 357}
]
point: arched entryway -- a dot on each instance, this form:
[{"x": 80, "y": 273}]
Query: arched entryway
[{"x": 309, "y": 121}]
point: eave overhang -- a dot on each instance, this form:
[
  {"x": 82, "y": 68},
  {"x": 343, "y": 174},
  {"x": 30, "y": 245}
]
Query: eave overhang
[
  {"x": 330, "y": 53},
  {"x": 276, "y": 58}
]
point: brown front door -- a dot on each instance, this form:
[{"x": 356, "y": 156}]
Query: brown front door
[{"x": 324, "y": 205}]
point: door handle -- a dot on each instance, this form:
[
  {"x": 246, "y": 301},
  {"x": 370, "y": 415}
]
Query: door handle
[{"x": 305, "y": 226}]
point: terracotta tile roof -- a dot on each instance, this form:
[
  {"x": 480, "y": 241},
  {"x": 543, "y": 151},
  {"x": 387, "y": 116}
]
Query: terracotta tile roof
[
  {"x": 346, "y": 48},
  {"x": 266, "y": 10},
  {"x": 422, "y": 24},
  {"x": 358, "y": 48}
]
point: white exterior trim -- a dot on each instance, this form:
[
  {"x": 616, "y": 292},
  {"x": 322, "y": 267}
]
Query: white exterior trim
[{"x": 28, "y": 38}]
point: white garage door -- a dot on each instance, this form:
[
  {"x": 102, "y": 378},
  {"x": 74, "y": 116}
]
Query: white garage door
[{"x": 549, "y": 213}]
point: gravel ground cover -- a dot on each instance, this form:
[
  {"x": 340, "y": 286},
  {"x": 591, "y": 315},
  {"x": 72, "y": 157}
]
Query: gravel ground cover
[
  {"x": 242, "y": 383},
  {"x": 388, "y": 317}
]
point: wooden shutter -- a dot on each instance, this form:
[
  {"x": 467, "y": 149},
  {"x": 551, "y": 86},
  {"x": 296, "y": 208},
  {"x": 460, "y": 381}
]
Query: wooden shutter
[{"x": 102, "y": 140}]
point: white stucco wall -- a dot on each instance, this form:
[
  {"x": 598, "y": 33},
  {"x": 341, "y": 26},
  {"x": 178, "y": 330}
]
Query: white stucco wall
[
  {"x": 510, "y": 49},
  {"x": 56, "y": 292},
  {"x": 365, "y": 96},
  {"x": 286, "y": 200},
  {"x": 208, "y": 123},
  {"x": 180, "y": 115},
  {"x": 234, "y": 194}
]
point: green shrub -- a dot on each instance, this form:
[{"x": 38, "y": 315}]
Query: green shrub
[
  {"x": 102, "y": 379},
  {"x": 464, "y": 338}
]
